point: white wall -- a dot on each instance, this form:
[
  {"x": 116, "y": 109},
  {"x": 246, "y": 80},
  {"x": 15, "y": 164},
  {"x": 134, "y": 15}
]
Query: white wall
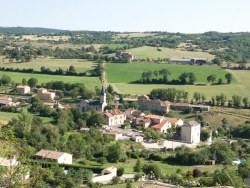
[
  {"x": 104, "y": 178},
  {"x": 66, "y": 158}
]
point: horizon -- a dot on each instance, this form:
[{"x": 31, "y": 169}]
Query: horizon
[{"x": 190, "y": 17}]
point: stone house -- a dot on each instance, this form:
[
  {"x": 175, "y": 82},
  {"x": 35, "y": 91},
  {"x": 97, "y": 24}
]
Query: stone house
[
  {"x": 155, "y": 105},
  {"x": 114, "y": 117},
  {"x": 44, "y": 94},
  {"x": 22, "y": 89},
  {"x": 175, "y": 121},
  {"x": 124, "y": 55},
  {"x": 190, "y": 132},
  {"x": 59, "y": 157}
]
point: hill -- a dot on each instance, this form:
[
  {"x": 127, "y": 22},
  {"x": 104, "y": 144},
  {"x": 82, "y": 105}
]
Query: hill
[{"x": 28, "y": 30}]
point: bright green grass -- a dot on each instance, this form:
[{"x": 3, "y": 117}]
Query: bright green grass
[
  {"x": 165, "y": 168},
  {"x": 129, "y": 72},
  {"x": 152, "y": 52},
  {"x": 89, "y": 82},
  {"x": 53, "y": 64},
  {"x": 6, "y": 116}
]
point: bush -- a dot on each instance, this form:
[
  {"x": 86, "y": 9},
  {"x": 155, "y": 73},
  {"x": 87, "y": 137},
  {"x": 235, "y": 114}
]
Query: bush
[
  {"x": 120, "y": 171},
  {"x": 155, "y": 157}
]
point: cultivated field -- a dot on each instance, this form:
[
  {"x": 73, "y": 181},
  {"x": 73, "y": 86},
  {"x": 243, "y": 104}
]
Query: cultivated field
[
  {"x": 120, "y": 74},
  {"x": 79, "y": 64},
  {"x": 152, "y": 52},
  {"x": 90, "y": 82}
]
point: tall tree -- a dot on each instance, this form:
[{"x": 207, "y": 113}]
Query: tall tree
[{"x": 229, "y": 77}]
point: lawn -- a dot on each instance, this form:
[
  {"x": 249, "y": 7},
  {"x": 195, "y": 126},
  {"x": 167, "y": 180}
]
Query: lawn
[
  {"x": 89, "y": 82},
  {"x": 79, "y": 64},
  {"x": 152, "y": 52},
  {"x": 129, "y": 72}
]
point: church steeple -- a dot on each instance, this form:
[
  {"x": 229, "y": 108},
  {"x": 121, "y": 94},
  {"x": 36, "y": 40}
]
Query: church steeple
[{"x": 103, "y": 95}]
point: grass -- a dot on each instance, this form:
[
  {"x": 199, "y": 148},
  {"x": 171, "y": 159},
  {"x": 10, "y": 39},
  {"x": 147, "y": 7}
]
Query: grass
[
  {"x": 90, "y": 82},
  {"x": 53, "y": 64},
  {"x": 6, "y": 116},
  {"x": 120, "y": 74},
  {"x": 165, "y": 168},
  {"x": 129, "y": 72},
  {"x": 152, "y": 52},
  {"x": 123, "y": 185}
]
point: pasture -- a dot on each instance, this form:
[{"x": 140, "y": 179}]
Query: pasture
[
  {"x": 129, "y": 72},
  {"x": 79, "y": 64},
  {"x": 89, "y": 82},
  {"x": 119, "y": 76},
  {"x": 152, "y": 52}
]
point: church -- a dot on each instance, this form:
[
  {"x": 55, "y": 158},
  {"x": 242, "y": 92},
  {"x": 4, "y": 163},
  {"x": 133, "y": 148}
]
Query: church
[{"x": 98, "y": 105}]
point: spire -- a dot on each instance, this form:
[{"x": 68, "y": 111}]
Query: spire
[{"x": 103, "y": 91}]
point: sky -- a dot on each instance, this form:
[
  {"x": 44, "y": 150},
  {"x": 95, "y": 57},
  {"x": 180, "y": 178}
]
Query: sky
[{"x": 184, "y": 16}]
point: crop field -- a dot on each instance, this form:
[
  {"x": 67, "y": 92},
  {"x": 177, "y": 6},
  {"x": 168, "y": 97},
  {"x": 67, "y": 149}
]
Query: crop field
[
  {"x": 119, "y": 76},
  {"x": 90, "y": 82},
  {"x": 79, "y": 64},
  {"x": 129, "y": 72},
  {"x": 152, "y": 52}
]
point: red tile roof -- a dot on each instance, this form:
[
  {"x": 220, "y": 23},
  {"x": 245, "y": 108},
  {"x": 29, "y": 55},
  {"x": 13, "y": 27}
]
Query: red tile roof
[{"x": 160, "y": 125}]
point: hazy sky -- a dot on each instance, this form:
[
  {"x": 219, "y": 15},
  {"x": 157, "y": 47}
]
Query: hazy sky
[{"x": 185, "y": 16}]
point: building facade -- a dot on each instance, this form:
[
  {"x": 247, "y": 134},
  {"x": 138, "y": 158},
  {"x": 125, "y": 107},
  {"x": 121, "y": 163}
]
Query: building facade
[
  {"x": 190, "y": 132},
  {"x": 44, "y": 94},
  {"x": 22, "y": 89},
  {"x": 114, "y": 117},
  {"x": 59, "y": 157}
]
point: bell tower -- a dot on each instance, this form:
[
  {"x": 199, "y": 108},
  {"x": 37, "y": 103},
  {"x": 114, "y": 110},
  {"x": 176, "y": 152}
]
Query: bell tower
[{"x": 103, "y": 96}]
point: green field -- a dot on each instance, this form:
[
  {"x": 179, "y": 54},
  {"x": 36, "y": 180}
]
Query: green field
[
  {"x": 119, "y": 76},
  {"x": 90, "y": 82},
  {"x": 6, "y": 116},
  {"x": 129, "y": 72},
  {"x": 152, "y": 52},
  {"x": 53, "y": 64}
]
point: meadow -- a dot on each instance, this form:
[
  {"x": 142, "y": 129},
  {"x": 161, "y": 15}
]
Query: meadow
[
  {"x": 129, "y": 72},
  {"x": 152, "y": 52},
  {"x": 119, "y": 76},
  {"x": 89, "y": 82},
  {"x": 52, "y": 63}
]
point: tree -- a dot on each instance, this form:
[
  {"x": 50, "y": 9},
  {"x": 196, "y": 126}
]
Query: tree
[
  {"x": 217, "y": 61},
  {"x": 138, "y": 166},
  {"x": 236, "y": 100},
  {"x": 152, "y": 170},
  {"x": 183, "y": 78},
  {"x": 24, "y": 81},
  {"x": 32, "y": 82},
  {"x": 5, "y": 80},
  {"x": 72, "y": 68},
  {"x": 212, "y": 78},
  {"x": 220, "y": 81},
  {"x": 74, "y": 93},
  {"x": 192, "y": 78},
  {"x": 205, "y": 134},
  {"x": 120, "y": 171},
  {"x": 116, "y": 152},
  {"x": 229, "y": 77},
  {"x": 156, "y": 73},
  {"x": 246, "y": 102}
]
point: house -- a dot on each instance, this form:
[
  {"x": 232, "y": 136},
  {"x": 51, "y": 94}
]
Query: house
[
  {"x": 124, "y": 55},
  {"x": 44, "y": 94},
  {"x": 110, "y": 170},
  {"x": 114, "y": 117},
  {"x": 137, "y": 138},
  {"x": 155, "y": 105},
  {"x": 98, "y": 105},
  {"x": 190, "y": 132},
  {"x": 11, "y": 163},
  {"x": 175, "y": 121},
  {"x": 106, "y": 175},
  {"x": 132, "y": 113},
  {"x": 7, "y": 101},
  {"x": 59, "y": 157},
  {"x": 158, "y": 123},
  {"x": 22, "y": 89},
  {"x": 115, "y": 134}
]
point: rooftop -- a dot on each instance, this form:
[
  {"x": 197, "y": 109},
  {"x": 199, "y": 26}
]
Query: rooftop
[{"x": 49, "y": 154}]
